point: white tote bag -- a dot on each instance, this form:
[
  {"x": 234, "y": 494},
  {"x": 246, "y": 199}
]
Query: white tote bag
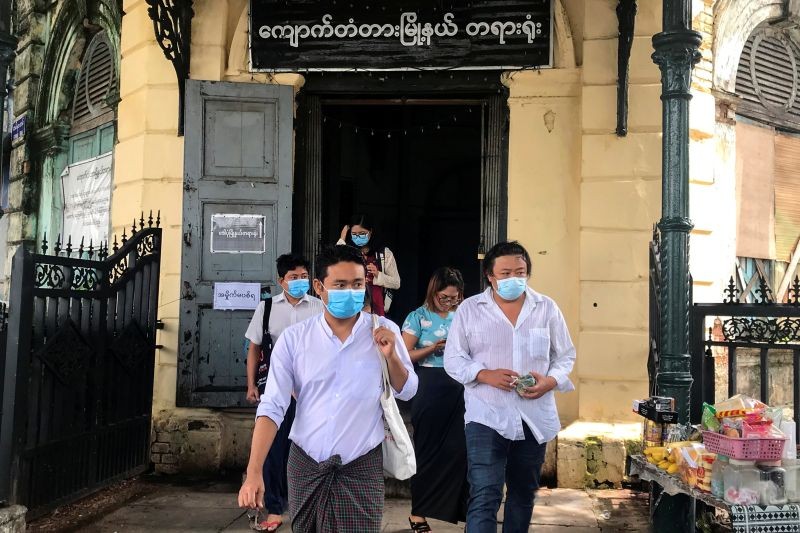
[{"x": 399, "y": 460}]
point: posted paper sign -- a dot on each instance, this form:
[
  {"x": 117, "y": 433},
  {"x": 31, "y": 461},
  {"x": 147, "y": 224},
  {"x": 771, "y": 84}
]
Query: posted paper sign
[
  {"x": 238, "y": 234},
  {"x": 233, "y": 296},
  {"x": 87, "y": 198}
]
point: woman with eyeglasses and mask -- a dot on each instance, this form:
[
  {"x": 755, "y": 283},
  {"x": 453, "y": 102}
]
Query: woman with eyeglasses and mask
[
  {"x": 439, "y": 489},
  {"x": 382, "y": 274}
]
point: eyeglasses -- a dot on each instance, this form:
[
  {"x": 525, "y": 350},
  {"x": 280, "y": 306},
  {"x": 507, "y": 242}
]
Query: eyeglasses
[
  {"x": 362, "y": 234},
  {"x": 448, "y": 300}
]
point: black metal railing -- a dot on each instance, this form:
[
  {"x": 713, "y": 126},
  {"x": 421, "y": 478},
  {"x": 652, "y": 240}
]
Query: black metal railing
[
  {"x": 78, "y": 379},
  {"x": 655, "y": 310},
  {"x": 748, "y": 348}
]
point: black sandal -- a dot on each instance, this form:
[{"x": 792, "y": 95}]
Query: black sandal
[{"x": 419, "y": 527}]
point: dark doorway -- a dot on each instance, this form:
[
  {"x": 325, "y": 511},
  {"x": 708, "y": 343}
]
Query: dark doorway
[{"x": 415, "y": 168}]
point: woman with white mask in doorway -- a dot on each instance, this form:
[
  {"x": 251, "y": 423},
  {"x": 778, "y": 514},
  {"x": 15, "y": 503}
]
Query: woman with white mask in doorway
[{"x": 382, "y": 274}]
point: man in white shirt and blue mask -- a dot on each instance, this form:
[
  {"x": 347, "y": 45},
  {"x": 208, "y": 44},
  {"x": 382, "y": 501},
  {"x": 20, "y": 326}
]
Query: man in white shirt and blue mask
[
  {"x": 331, "y": 363},
  {"x": 291, "y": 306},
  {"x": 506, "y": 332}
]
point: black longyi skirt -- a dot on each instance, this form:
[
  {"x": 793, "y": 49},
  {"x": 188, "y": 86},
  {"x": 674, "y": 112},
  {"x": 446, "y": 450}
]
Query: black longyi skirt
[{"x": 439, "y": 489}]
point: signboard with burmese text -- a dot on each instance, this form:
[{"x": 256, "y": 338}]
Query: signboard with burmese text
[{"x": 300, "y": 35}]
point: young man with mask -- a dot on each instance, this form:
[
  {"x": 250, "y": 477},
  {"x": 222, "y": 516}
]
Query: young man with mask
[
  {"x": 293, "y": 305},
  {"x": 332, "y": 364},
  {"x": 507, "y": 331}
]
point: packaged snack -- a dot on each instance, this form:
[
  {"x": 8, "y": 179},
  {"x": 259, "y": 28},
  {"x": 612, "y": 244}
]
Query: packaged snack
[
  {"x": 775, "y": 414},
  {"x": 732, "y": 427},
  {"x": 688, "y": 461},
  {"x": 737, "y": 406},
  {"x": 709, "y": 419},
  {"x": 704, "y": 470}
]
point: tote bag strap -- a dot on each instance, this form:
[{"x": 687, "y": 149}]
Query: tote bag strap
[{"x": 387, "y": 386}]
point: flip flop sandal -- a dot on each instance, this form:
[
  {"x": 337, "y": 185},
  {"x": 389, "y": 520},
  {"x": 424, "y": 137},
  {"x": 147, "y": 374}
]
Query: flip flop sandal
[
  {"x": 256, "y": 524},
  {"x": 271, "y": 526}
]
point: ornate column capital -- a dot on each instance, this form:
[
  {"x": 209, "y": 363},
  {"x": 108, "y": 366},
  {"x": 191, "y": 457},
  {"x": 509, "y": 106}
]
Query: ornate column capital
[{"x": 676, "y": 52}]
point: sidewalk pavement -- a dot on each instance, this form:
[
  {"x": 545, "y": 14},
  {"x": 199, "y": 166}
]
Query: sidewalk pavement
[{"x": 211, "y": 507}]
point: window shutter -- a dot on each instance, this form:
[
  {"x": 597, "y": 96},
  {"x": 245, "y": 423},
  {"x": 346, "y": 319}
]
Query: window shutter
[
  {"x": 96, "y": 82},
  {"x": 767, "y": 79},
  {"x": 787, "y": 195}
]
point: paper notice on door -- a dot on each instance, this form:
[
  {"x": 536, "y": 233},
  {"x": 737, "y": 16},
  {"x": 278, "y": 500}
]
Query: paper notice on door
[
  {"x": 238, "y": 234},
  {"x": 235, "y": 296},
  {"x": 86, "y": 187}
]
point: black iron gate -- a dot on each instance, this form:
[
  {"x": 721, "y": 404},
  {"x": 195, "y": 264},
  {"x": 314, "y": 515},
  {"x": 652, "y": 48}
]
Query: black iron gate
[
  {"x": 79, "y": 364},
  {"x": 747, "y": 347}
]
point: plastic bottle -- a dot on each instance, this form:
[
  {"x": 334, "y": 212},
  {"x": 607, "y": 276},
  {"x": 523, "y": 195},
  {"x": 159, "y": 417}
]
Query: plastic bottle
[
  {"x": 789, "y": 461},
  {"x": 717, "y": 476}
]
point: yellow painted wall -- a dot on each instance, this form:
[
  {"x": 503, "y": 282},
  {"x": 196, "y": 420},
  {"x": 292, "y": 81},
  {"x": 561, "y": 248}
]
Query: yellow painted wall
[
  {"x": 620, "y": 198},
  {"x": 581, "y": 199},
  {"x": 148, "y": 171},
  {"x": 544, "y": 188}
]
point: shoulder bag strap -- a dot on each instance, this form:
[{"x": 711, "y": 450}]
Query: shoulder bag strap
[
  {"x": 266, "y": 339},
  {"x": 387, "y": 386}
]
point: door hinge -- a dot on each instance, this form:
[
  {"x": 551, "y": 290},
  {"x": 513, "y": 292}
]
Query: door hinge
[{"x": 187, "y": 236}]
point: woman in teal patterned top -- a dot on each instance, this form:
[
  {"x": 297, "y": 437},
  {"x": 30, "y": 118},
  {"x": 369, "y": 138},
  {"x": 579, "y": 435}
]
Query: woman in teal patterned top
[{"x": 439, "y": 489}]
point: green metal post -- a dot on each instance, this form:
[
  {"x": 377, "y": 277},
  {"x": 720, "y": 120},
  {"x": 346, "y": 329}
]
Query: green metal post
[{"x": 676, "y": 52}]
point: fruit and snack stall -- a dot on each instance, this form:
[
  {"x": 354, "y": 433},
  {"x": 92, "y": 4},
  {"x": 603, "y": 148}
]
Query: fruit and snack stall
[{"x": 741, "y": 461}]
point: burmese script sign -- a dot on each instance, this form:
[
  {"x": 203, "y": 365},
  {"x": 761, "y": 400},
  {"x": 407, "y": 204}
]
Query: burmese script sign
[
  {"x": 86, "y": 187},
  {"x": 238, "y": 234},
  {"x": 234, "y": 296},
  {"x": 297, "y": 35}
]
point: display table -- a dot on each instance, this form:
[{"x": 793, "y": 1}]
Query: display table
[{"x": 744, "y": 519}]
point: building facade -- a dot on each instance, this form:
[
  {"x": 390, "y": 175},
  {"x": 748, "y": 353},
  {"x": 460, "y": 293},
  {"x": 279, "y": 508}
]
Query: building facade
[{"x": 466, "y": 158}]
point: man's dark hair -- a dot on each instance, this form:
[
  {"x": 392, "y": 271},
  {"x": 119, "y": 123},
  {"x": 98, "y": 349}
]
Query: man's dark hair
[
  {"x": 504, "y": 248},
  {"x": 332, "y": 255},
  {"x": 288, "y": 262}
]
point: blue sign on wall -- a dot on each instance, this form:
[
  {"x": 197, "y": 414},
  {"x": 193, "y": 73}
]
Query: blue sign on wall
[{"x": 18, "y": 128}]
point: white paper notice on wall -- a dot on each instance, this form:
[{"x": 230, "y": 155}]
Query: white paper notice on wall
[
  {"x": 238, "y": 234},
  {"x": 235, "y": 296},
  {"x": 86, "y": 186}
]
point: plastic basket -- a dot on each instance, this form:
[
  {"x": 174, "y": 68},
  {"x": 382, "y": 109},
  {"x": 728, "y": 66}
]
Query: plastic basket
[{"x": 767, "y": 449}]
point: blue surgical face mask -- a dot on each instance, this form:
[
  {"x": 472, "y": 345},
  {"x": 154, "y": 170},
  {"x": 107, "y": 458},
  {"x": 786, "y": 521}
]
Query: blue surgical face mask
[
  {"x": 510, "y": 289},
  {"x": 360, "y": 240},
  {"x": 298, "y": 287},
  {"x": 345, "y": 303}
]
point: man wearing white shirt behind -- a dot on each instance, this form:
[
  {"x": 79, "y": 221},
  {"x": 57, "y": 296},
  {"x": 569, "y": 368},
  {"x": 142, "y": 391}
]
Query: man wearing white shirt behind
[
  {"x": 291, "y": 306},
  {"x": 335, "y": 468},
  {"x": 507, "y": 331}
]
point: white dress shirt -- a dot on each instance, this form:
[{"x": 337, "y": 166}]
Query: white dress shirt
[
  {"x": 337, "y": 386},
  {"x": 282, "y": 315},
  {"x": 482, "y": 338}
]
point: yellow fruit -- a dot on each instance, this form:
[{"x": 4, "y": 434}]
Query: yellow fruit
[
  {"x": 658, "y": 456},
  {"x": 673, "y": 468},
  {"x": 653, "y": 450},
  {"x": 652, "y": 461},
  {"x": 663, "y": 465}
]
